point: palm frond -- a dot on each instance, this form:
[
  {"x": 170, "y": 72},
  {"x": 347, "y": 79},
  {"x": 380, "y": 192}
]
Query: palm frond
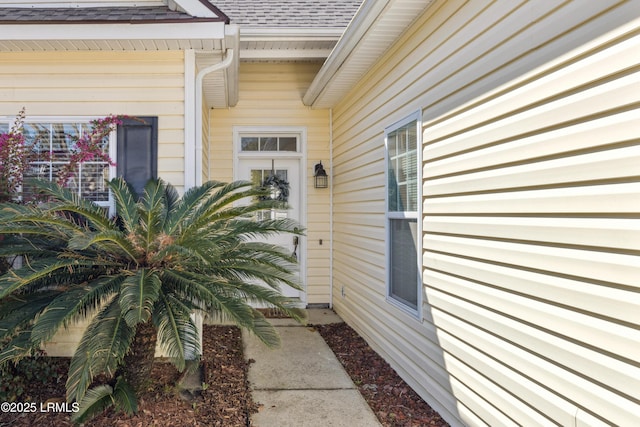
[
  {"x": 94, "y": 402},
  {"x": 126, "y": 203},
  {"x": 102, "y": 348},
  {"x": 114, "y": 240},
  {"x": 73, "y": 304},
  {"x": 177, "y": 334},
  {"x": 211, "y": 299},
  {"x": 18, "y": 313},
  {"x": 99, "y": 398},
  {"x": 68, "y": 201},
  {"x": 19, "y": 347},
  {"x": 40, "y": 271},
  {"x": 138, "y": 295},
  {"x": 184, "y": 208},
  {"x": 125, "y": 397},
  {"x": 264, "y": 330},
  {"x": 152, "y": 210}
]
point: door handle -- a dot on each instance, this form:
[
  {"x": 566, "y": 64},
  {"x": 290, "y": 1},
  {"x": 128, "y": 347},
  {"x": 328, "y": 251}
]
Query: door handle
[{"x": 295, "y": 247}]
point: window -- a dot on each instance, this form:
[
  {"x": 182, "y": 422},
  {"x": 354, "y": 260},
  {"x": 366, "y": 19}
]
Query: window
[
  {"x": 53, "y": 142},
  {"x": 135, "y": 142},
  {"x": 402, "y": 142},
  {"x": 261, "y": 143}
]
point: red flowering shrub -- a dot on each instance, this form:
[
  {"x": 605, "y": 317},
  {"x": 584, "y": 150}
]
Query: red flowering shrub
[{"x": 16, "y": 154}]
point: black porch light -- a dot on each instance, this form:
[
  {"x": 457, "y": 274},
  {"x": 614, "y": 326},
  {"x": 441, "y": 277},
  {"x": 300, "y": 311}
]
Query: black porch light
[{"x": 321, "y": 178}]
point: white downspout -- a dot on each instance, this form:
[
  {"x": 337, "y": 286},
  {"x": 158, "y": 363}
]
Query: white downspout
[
  {"x": 225, "y": 63},
  {"x": 331, "y": 208},
  {"x": 193, "y": 146}
]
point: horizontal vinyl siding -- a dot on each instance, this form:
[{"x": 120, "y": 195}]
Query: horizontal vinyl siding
[
  {"x": 102, "y": 83},
  {"x": 271, "y": 95},
  {"x": 97, "y": 84},
  {"x": 531, "y": 214}
]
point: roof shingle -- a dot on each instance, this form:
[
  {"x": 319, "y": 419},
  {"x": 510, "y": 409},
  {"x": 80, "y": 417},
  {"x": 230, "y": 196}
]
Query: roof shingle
[
  {"x": 92, "y": 14},
  {"x": 289, "y": 13}
]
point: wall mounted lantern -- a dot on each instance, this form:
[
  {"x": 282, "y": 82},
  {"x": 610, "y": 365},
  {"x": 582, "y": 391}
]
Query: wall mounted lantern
[{"x": 321, "y": 178}]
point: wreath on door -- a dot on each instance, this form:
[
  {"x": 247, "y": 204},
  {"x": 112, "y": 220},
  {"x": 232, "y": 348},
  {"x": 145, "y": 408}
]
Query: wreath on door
[{"x": 277, "y": 188}]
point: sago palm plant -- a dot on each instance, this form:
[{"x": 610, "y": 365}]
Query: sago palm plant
[{"x": 139, "y": 276}]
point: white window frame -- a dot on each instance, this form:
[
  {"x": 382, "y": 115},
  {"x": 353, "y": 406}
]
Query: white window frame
[
  {"x": 417, "y": 216},
  {"x": 8, "y": 121}
]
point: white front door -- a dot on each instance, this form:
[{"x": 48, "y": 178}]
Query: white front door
[{"x": 256, "y": 170}]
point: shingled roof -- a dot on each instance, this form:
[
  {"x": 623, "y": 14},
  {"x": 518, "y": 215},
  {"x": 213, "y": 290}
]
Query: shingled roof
[
  {"x": 289, "y": 13},
  {"x": 92, "y": 14}
]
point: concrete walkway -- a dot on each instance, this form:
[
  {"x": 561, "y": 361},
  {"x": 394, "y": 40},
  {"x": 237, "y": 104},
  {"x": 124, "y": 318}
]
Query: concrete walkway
[{"x": 302, "y": 383}]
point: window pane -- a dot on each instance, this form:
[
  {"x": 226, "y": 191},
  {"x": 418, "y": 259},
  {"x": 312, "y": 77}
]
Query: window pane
[
  {"x": 402, "y": 159},
  {"x": 288, "y": 143},
  {"x": 404, "y": 276},
  {"x": 393, "y": 192},
  {"x": 249, "y": 143},
  {"x": 39, "y": 136},
  {"x": 269, "y": 143},
  {"x": 63, "y": 140},
  {"x": 412, "y": 137},
  {"x": 93, "y": 179},
  {"x": 34, "y": 171}
]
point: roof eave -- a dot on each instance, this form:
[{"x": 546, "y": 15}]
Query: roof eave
[
  {"x": 205, "y": 30},
  {"x": 360, "y": 31}
]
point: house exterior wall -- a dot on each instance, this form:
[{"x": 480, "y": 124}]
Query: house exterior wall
[
  {"x": 270, "y": 95},
  {"x": 102, "y": 83},
  {"x": 531, "y": 235},
  {"x": 97, "y": 84}
]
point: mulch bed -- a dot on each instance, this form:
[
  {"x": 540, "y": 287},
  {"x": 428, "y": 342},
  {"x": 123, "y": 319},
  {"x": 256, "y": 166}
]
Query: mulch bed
[
  {"x": 390, "y": 398},
  {"x": 226, "y": 401}
]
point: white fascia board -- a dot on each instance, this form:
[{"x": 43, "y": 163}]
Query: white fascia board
[
  {"x": 284, "y": 54},
  {"x": 196, "y": 8},
  {"x": 290, "y": 34},
  {"x": 361, "y": 23},
  {"x": 116, "y": 31}
]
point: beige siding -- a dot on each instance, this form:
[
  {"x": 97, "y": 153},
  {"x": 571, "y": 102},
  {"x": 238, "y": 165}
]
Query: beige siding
[
  {"x": 531, "y": 211},
  {"x": 270, "y": 95},
  {"x": 102, "y": 83},
  {"x": 97, "y": 84}
]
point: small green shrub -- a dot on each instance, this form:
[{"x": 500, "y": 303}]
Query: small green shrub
[{"x": 17, "y": 377}]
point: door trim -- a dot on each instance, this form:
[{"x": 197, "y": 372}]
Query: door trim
[{"x": 301, "y": 156}]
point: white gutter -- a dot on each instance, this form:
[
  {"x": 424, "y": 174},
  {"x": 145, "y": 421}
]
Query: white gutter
[
  {"x": 364, "y": 18},
  {"x": 193, "y": 162},
  {"x": 116, "y": 31}
]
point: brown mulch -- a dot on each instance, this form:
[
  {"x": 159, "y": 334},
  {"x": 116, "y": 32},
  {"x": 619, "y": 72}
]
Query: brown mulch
[
  {"x": 226, "y": 400},
  {"x": 390, "y": 398}
]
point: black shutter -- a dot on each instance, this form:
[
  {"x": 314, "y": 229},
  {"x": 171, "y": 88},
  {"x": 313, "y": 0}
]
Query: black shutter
[{"x": 137, "y": 157}]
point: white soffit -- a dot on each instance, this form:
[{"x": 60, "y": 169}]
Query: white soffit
[
  {"x": 373, "y": 30},
  {"x": 287, "y": 43}
]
